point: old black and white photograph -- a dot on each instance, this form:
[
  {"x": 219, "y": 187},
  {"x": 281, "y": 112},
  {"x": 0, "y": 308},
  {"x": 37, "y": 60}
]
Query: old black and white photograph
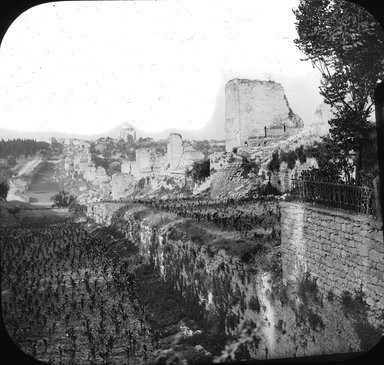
[{"x": 192, "y": 182}]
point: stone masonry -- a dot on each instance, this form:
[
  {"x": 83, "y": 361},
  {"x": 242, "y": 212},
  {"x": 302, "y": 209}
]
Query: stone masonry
[
  {"x": 253, "y": 105},
  {"x": 345, "y": 252}
]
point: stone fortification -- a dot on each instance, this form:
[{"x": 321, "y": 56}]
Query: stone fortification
[
  {"x": 174, "y": 150},
  {"x": 226, "y": 177},
  {"x": 122, "y": 185},
  {"x": 231, "y": 293},
  {"x": 96, "y": 175},
  {"x": 148, "y": 161},
  {"x": 81, "y": 161},
  {"x": 181, "y": 154},
  {"x": 343, "y": 251},
  {"x": 282, "y": 179},
  {"x": 253, "y": 105},
  {"x": 129, "y": 167}
]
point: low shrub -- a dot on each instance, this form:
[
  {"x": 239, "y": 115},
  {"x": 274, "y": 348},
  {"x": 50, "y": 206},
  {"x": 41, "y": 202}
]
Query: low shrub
[
  {"x": 254, "y": 304},
  {"x": 355, "y": 308},
  {"x": 307, "y": 289},
  {"x": 62, "y": 199}
]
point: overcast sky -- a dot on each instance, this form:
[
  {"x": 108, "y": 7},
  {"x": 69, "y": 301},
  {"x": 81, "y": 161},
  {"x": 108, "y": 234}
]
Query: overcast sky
[{"x": 85, "y": 67}]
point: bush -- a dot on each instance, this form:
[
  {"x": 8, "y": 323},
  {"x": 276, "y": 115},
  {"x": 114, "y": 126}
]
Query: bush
[
  {"x": 62, "y": 199},
  {"x": 307, "y": 289},
  {"x": 268, "y": 189},
  {"x": 289, "y": 157},
  {"x": 200, "y": 170},
  {"x": 274, "y": 164},
  {"x": 77, "y": 209},
  {"x": 248, "y": 166},
  {"x": 355, "y": 308},
  {"x": 4, "y": 188},
  {"x": 141, "y": 183}
]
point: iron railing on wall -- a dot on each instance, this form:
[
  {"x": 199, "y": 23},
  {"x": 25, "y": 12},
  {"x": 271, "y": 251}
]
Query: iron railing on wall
[{"x": 352, "y": 198}]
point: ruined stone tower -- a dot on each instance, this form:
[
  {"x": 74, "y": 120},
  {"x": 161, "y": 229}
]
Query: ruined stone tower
[
  {"x": 174, "y": 150},
  {"x": 252, "y": 107}
]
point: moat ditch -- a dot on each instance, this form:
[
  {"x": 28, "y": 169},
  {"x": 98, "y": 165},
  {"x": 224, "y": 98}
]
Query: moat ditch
[{"x": 152, "y": 287}]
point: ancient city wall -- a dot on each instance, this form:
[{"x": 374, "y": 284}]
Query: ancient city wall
[
  {"x": 231, "y": 292},
  {"x": 345, "y": 252},
  {"x": 121, "y": 185},
  {"x": 226, "y": 178},
  {"x": 282, "y": 179},
  {"x": 252, "y": 105}
]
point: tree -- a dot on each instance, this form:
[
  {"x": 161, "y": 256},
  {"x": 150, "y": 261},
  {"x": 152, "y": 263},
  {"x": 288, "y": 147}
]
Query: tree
[
  {"x": 62, "y": 199},
  {"x": 4, "y": 188},
  {"x": 346, "y": 44},
  {"x": 200, "y": 170}
]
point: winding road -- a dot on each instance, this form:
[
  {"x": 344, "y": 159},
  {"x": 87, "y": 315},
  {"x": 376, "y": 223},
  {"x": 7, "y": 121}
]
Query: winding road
[{"x": 42, "y": 186}]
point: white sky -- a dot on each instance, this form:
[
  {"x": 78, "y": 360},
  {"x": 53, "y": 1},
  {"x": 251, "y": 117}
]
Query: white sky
[{"x": 85, "y": 67}]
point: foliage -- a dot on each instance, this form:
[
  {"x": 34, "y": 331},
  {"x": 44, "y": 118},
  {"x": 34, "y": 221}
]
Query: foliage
[
  {"x": 237, "y": 349},
  {"x": 254, "y": 304},
  {"x": 274, "y": 164},
  {"x": 268, "y": 189},
  {"x": 248, "y": 166},
  {"x": 346, "y": 44},
  {"x": 18, "y": 147},
  {"x": 200, "y": 170},
  {"x": 289, "y": 157},
  {"x": 100, "y": 162},
  {"x": 356, "y": 308},
  {"x": 203, "y": 146},
  {"x": 11, "y": 161},
  {"x": 141, "y": 183},
  {"x": 4, "y": 188},
  {"x": 62, "y": 199},
  {"x": 332, "y": 166},
  {"x": 307, "y": 289},
  {"x": 77, "y": 209}
]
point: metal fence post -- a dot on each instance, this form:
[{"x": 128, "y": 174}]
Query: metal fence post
[{"x": 379, "y": 116}]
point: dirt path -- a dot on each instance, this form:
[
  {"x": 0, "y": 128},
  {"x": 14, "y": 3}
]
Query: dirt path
[{"x": 43, "y": 186}]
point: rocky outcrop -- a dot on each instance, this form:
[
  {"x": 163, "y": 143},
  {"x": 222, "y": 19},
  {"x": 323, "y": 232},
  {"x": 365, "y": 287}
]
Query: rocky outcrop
[{"x": 253, "y": 105}]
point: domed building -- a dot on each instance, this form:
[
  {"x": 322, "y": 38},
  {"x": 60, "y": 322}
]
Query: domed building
[{"x": 127, "y": 133}]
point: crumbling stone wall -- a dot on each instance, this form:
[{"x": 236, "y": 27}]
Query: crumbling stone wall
[
  {"x": 122, "y": 185},
  {"x": 129, "y": 167},
  {"x": 174, "y": 150},
  {"x": 345, "y": 252},
  {"x": 148, "y": 160},
  {"x": 252, "y": 105},
  {"x": 96, "y": 175},
  {"x": 232, "y": 293},
  {"x": 226, "y": 179},
  {"x": 282, "y": 179}
]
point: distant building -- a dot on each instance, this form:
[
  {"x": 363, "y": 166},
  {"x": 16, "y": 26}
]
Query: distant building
[
  {"x": 181, "y": 154},
  {"x": 80, "y": 162},
  {"x": 127, "y": 133}
]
